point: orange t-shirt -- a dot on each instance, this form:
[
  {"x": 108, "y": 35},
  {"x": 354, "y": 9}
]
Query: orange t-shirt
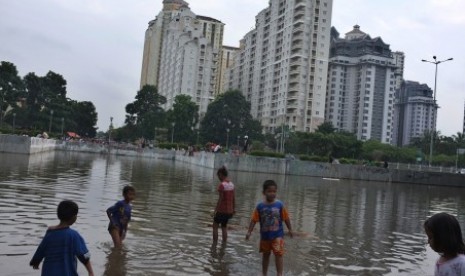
[{"x": 226, "y": 191}]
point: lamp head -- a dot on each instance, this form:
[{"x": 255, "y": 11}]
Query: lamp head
[{"x": 434, "y": 57}]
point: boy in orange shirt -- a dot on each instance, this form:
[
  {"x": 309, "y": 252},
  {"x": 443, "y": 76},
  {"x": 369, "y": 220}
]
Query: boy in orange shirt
[{"x": 271, "y": 213}]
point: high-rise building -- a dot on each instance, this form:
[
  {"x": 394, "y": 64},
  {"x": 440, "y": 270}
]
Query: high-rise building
[
  {"x": 181, "y": 54},
  {"x": 226, "y": 62},
  {"x": 281, "y": 66},
  {"x": 414, "y": 112},
  {"x": 362, "y": 79}
]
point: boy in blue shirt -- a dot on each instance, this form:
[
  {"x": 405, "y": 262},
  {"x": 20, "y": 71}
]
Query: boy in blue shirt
[
  {"x": 62, "y": 245},
  {"x": 120, "y": 215},
  {"x": 270, "y": 214}
]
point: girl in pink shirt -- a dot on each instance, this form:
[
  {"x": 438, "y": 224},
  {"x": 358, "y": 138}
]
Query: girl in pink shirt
[
  {"x": 225, "y": 207},
  {"x": 445, "y": 237}
]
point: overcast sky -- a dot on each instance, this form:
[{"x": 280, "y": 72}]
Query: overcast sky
[{"x": 97, "y": 44}]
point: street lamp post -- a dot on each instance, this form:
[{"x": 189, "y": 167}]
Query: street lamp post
[
  {"x": 50, "y": 124},
  {"x": 62, "y": 125},
  {"x": 227, "y": 138},
  {"x": 172, "y": 131},
  {"x": 433, "y": 123},
  {"x": 238, "y": 138},
  {"x": 109, "y": 132},
  {"x": 14, "y": 121}
]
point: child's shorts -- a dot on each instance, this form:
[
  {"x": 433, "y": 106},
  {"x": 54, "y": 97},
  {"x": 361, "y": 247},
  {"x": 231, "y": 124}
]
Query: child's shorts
[
  {"x": 276, "y": 246},
  {"x": 222, "y": 219}
]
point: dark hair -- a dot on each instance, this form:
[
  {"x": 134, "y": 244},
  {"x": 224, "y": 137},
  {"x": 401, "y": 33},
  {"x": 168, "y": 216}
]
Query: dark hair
[
  {"x": 66, "y": 210},
  {"x": 269, "y": 183},
  {"x": 223, "y": 171},
  {"x": 128, "y": 189},
  {"x": 447, "y": 235}
]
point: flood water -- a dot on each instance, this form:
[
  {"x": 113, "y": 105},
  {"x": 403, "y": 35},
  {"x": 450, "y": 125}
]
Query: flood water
[{"x": 343, "y": 227}]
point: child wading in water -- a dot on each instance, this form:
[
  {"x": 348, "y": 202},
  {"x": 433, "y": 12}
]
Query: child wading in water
[
  {"x": 445, "y": 237},
  {"x": 225, "y": 207},
  {"x": 271, "y": 213},
  {"x": 120, "y": 215},
  {"x": 62, "y": 245}
]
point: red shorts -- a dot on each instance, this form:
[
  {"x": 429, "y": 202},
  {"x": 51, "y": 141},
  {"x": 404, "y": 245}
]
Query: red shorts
[{"x": 276, "y": 246}]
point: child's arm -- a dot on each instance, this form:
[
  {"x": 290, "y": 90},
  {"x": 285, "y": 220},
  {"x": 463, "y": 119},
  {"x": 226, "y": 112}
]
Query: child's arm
[
  {"x": 249, "y": 232},
  {"x": 89, "y": 268},
  {"x": 38, "y": 255},
  {"x": 289, "y": 227}
]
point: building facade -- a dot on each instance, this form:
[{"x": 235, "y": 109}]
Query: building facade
[
  {"x": 182, "y": 54},
  {"x": 227, "y": 61},
  {"x": 362, "y": 79},
  {"x": 281, "y": 65},
  {"x": 415, "y": 112}
]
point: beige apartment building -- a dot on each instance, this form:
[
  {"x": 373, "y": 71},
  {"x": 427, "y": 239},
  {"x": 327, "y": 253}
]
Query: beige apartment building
[
  {"x": 281, "y": 65},
  {"x": 182, "y": 54}
]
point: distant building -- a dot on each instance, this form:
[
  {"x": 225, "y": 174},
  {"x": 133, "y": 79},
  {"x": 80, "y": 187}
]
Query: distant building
[
  {"x": 226, "y": 62},
  {"x": 181, "y": 54},
  {"x": 415, "y": 112},
  {"x": 362, "y": 78},
  {"x": 281, "y": 66}
]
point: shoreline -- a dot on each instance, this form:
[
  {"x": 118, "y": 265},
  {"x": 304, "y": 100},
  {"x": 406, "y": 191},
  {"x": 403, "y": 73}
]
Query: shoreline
[{"x": 24, "y": 145}]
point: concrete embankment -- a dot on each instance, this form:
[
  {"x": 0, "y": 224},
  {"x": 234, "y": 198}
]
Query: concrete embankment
[{"x": 245, "y": 163}]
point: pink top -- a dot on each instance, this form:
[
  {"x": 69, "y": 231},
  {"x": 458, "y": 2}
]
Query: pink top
[{"x": 226, "y": 191}]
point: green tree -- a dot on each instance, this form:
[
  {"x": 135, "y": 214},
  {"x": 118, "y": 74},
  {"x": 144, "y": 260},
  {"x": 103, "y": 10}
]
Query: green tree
[
  {"x": 85, "y": 118},
  {"x": 146, "y": 112},
  {"x": 11, "y": 88},
  {"x": 185, "y": 116},
  {"x": 326, "y": 128},
  {"x": 229, "y": 110}
]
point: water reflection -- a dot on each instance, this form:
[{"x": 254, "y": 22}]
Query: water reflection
[
  {"x": 345, "y": 227},
  {"x": 116, "y": 262}
]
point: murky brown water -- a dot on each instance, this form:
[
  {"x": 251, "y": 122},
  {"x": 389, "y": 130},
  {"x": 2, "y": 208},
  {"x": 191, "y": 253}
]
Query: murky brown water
[{"x": 346, "y": 228}]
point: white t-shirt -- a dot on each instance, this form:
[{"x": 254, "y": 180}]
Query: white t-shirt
[{"x": 454, "y": 267}]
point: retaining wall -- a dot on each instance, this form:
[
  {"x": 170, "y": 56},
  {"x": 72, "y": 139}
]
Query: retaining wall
[
  {"x": 246, "y": 163},
  {"x": 25, "y": 145}
]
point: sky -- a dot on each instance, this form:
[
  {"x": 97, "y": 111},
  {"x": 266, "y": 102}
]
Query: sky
[{"x": 97, "y": 45}]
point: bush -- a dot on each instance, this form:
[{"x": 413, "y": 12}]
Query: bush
[
  {"x": 267, "y": 154},
  {"x": 313, "y": 158},
  {"x": 171, "y": 146},
  {"x": 348, "y": 161}
]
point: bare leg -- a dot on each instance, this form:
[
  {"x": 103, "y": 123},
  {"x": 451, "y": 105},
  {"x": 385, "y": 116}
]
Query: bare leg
[
  {"x": 215, "y": 232},
  {"x": 279, "y": 265},
  {"x": 116, "y": 237},
  {"x": 224, "y": 232},
  {"x": 265, "y": 263}
]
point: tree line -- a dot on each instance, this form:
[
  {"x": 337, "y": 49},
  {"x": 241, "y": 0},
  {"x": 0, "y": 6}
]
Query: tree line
[{"x": 35, "y": 104}]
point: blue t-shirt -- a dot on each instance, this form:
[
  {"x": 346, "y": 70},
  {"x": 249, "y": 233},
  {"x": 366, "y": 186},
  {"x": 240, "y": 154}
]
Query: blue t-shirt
[
  {"x": 271, "y": 217},
  {"x": 120, "y": 214},
  {"x": 60, "y": 249}
]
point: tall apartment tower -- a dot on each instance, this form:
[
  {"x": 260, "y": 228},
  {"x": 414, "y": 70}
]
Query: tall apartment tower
[
  {"x": 361, "y": 85},
  {"x": 181, "y": 54},
  {"x": 281, "y": 65},
  {"x": 227, "y": 60},
  {"x": 415, "y": 112}
]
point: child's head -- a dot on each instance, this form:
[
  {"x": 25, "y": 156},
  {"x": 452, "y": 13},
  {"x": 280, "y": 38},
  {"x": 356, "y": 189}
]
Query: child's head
[
  {"x": 444, "y": 234},
  {"x": 222, "y": 173},
  {"x": 67, "y": 211},
  {"x": 270, "y": 188},
  {"x": 129, "y": 193}
]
